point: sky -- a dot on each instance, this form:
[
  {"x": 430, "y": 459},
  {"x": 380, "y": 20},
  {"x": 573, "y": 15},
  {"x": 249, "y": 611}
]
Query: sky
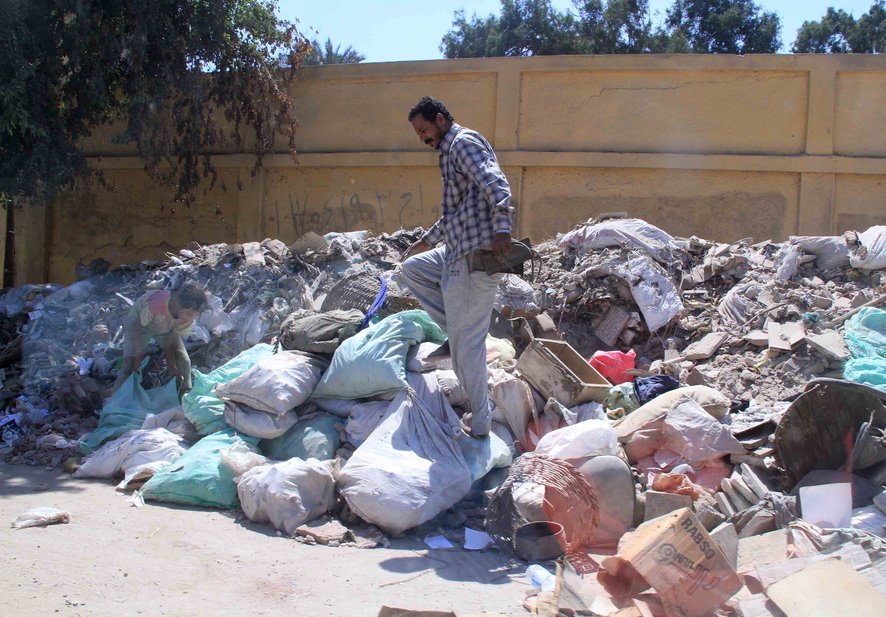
[{"x": 397, "y": 30}]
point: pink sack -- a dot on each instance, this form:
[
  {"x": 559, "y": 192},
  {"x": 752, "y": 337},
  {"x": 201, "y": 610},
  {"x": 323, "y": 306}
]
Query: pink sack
[{"x": 613, "y": 364}]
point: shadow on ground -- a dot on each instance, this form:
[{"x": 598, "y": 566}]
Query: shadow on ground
[{"x": 23, "y": 480}]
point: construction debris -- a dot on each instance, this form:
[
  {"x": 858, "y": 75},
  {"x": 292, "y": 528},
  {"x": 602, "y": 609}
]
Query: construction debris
[{"x": 716, "y": 391}]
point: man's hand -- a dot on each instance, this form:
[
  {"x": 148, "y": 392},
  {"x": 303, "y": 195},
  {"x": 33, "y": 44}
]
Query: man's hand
[
  {"x": 501, "y": 245},
  {"x": 419, "y": 246}
]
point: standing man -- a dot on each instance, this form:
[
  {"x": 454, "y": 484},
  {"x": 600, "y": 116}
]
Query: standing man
[{"x": 477, "y": 214}]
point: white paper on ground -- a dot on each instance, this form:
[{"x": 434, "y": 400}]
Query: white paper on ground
[
  {"x": 438, "y": 542},
  {"x": 476, "y": 540}
]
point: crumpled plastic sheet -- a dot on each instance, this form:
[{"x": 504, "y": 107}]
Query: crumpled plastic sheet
[
  {"x": 739, "y": 303},
  {"x": 41, "y": 517},
  {"x": 865, "y": 335},
  {"x": 653, "y": 241},
  {"x": 652, "y": 289}
]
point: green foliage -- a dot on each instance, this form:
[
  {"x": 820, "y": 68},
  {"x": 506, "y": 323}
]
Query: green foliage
[
  {"x": 185, "y": 76},
  {"x": 838, "y": 32},
  {"x": 618, "y": 27},
  {"x": 331, "y": 55},
  {"x": 534, "y": 27},
  {"x": 725, "y": 26}
]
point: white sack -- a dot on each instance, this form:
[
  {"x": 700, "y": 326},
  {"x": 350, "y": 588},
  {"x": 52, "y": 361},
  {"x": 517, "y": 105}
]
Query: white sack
[
  {"x": 655, "y": 242},
  {"x": 365, "y": 418},
  {"x": 275, "y": 384},
  {"x": 417, "y": 358},
  {"x": 588, "y": 438},
  {"x": 451, "y": 387},
  {"x": 288, "y": 494},
  {"x": 830, "y": 251},
  {"x": 341, "y": 407},
  {"x": 257, "y": 423},
  {"x": 410, "y": 468},
  {"x": 174, "y": 421},
  {"x": 871, "y": 252},
  {"x": 240, "y": 458},
  {"x": 132, "y": 449},
  {"x": 787, "y": 261}
]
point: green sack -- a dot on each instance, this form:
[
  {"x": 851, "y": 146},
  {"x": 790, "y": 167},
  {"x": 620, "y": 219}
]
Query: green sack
[
  {"x": 199, "y": 478},
  {"x": 126, "y": 410},
  {"x": 373, "y": 361},
  {"x": 201, "y": 406},
  {"x": 314, "y": 437}
]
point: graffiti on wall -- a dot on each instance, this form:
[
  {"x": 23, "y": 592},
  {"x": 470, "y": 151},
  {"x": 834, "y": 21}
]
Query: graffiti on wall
[{"x": 376, "y": 210}]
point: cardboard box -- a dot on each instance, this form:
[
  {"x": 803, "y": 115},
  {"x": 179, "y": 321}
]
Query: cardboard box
[
  {"x": 556, "y": 370},
  {"x": 676, "y": 557}
]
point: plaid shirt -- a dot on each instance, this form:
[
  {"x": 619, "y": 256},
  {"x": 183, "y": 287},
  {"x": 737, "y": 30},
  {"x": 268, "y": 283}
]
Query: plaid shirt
[{"x": 476, "y": 194}]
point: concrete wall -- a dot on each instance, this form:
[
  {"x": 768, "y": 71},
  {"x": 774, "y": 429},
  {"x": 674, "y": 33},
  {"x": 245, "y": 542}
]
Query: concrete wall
[{"x": 723, "y": 147}]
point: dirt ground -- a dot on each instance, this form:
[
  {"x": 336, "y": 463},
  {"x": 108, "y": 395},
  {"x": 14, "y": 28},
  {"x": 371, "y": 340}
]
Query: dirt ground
[{"x": 115, "y": 559}]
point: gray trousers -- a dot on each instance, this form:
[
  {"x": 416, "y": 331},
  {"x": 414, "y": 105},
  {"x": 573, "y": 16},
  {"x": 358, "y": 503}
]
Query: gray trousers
[{"x": 461, "y": 302}]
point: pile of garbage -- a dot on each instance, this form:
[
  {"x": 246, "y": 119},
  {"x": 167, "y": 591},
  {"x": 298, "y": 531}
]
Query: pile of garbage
[{"x": 688, "y": 427}]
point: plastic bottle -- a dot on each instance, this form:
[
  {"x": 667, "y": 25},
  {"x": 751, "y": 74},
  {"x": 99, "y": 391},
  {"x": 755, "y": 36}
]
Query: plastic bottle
[{"x": 540, "y": 578}]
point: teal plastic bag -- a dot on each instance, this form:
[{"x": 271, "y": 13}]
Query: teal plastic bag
[
  {"x": 373, "y": 361},
  {"x": 201, "y": 406},
  {"x": 314, "y": 437},
  {"x": 126, "y": 410},
  {"x": 865, "y": 335},
  {"x": 199, "y": 478}
]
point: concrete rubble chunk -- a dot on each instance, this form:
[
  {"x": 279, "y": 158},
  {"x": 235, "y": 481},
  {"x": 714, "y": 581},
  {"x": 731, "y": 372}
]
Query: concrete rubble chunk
[
  {"x": 829, "y": 588},
  {"x": 738, "y": 502},
  {"x": 610, "y": 328},
  {"x": 706, "y": 347},
  {"x": 727, "y": 539},
  {"x": 741, "y": 486},
  {"x": 764, "y": 549},
  {"x": 724, "y": 504},
  {"x": 830, "y": 344},
  {"x": 324, "y": 530},
  {"x": 757, "y": 337},
  {"x": 659, "y": 503},
  {"x": 753, "y": 481},
  {"x": 708, "y": 515},
  {"x": 785, "y": 336},
  {"x": 758, "y": 605}
]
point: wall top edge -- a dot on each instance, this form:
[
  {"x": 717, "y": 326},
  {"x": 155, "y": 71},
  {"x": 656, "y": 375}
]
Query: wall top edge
[{"x": 679, "y": 62}]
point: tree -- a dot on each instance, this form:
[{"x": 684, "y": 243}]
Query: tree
[
  {"x": 533, "y": 27},
  {"x": 331, "y": 55},
  {"x": 525, "y": 28},
  {"x": 838, "y": 32},
  {"x": 619, "y": 26},
  {"x": 724, "y": 26},
  {"x": 183, "y": 76}
]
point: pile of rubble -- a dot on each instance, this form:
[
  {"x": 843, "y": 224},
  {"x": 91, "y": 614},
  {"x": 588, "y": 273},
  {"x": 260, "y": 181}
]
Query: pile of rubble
[{"x": 667, "y": 409}]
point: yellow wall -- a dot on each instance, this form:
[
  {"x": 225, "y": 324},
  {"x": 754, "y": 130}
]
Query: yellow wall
[{"x": 723, "y": 147}]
